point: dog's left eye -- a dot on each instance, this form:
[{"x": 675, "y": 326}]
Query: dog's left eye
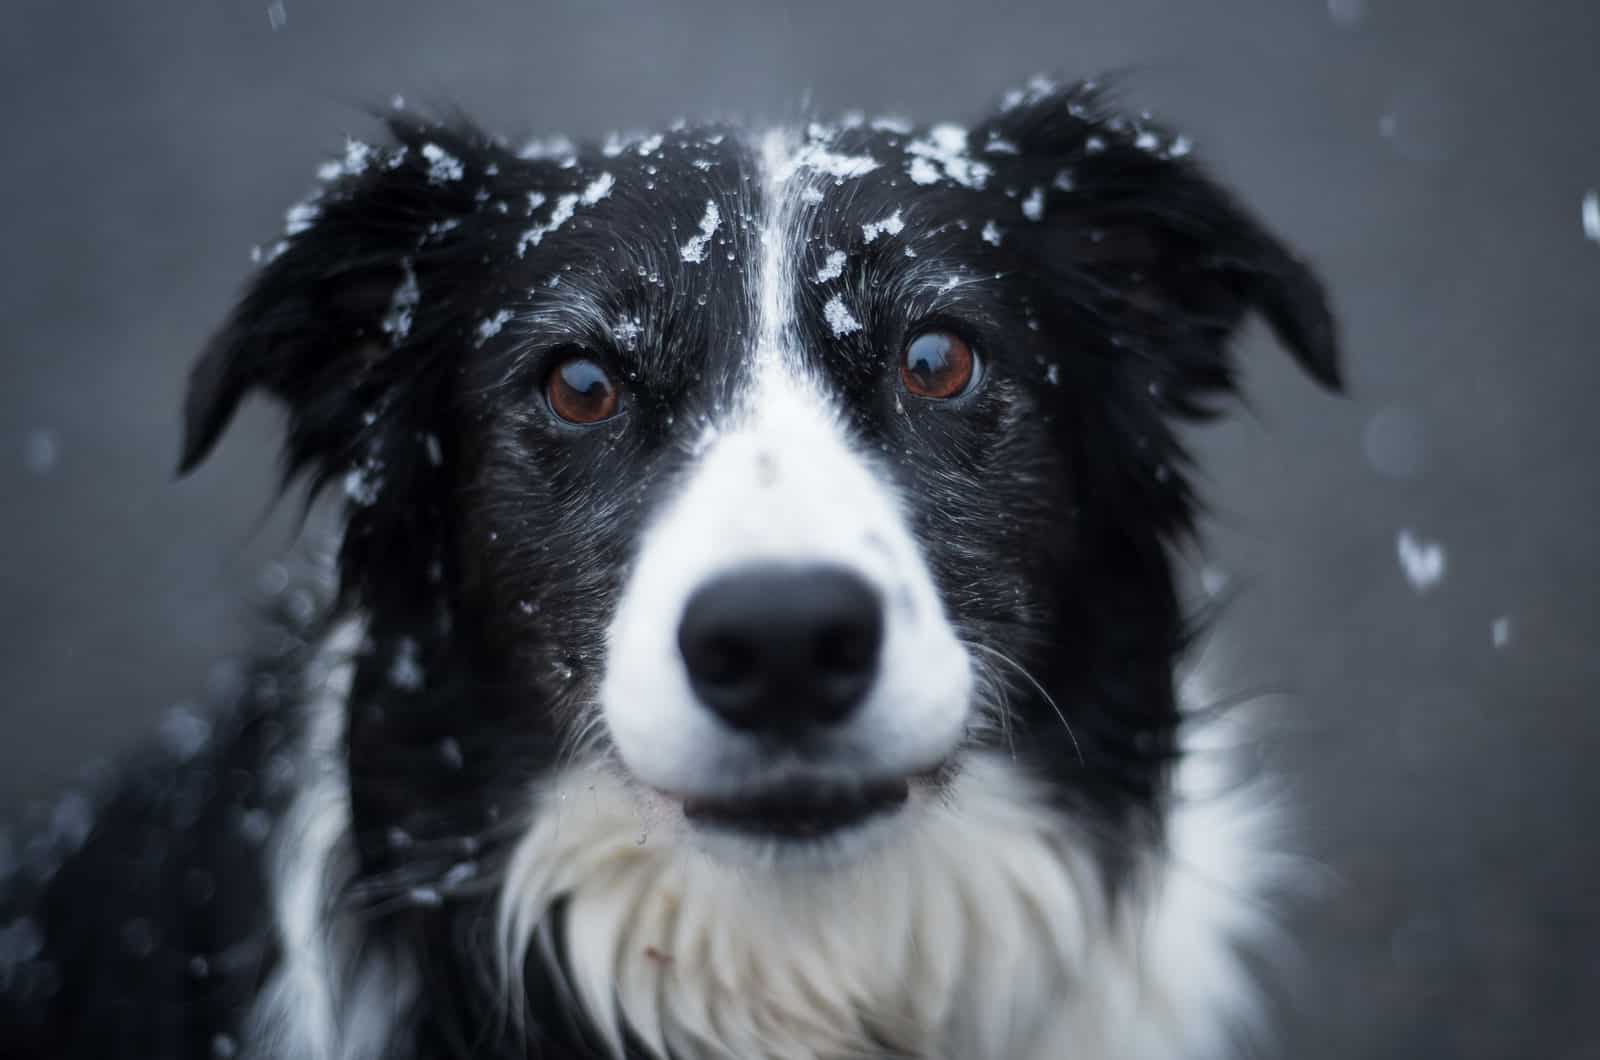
[
  {"x": 580, "y": 390},
  {"x": 938, "y": 365}
]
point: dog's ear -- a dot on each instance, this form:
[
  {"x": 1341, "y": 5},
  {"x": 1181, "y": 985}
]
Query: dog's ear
[
  {"x": 335, "y": 325},
  {"x": 1120, "y": 218}
]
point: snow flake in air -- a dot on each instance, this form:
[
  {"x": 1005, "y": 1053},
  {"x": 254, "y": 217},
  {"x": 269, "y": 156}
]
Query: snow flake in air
[
  {"x": 1422, "y": 561},
  {"x": 1591, "y": 215},
  {"x": 39, "y": 452},
  {"x": 991, "y": 233}
]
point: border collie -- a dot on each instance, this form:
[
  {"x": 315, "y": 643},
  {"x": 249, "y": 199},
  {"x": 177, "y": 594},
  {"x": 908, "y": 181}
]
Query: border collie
[{"x": 755, "y": 626}]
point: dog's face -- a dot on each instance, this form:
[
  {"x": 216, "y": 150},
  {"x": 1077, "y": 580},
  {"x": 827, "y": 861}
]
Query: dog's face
[{"x": 778, "y": 475}]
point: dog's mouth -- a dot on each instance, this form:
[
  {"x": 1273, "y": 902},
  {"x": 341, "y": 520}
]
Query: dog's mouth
[{"x": 799, "y": 811}]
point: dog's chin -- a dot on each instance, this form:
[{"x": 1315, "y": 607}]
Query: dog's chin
[{"x": 803, "y": 822}]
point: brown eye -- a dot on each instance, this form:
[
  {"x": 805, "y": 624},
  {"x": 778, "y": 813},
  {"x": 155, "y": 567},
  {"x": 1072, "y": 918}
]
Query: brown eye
[
  {"x": 580, "y": 390},
  {"x": 938, "y": 365}
]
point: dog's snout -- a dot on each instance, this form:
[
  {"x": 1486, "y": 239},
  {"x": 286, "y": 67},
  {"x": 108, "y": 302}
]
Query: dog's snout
[{"x": 782, "y": 647}]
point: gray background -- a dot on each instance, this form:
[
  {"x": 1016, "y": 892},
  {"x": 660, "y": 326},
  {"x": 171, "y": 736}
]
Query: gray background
[{"x": 1432, "y": 158}]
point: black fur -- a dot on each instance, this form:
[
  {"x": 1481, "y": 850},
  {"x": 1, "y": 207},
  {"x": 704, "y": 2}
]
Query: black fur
[{"x": 486, "y": 542}]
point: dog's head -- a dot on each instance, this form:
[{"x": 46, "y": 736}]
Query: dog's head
[{"x": 778, "y": 475}]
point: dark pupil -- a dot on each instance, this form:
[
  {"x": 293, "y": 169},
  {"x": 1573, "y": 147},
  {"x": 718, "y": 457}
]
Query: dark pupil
[
  {"x": 929, "y": 357},
  {"x": 587, "y": 380}
]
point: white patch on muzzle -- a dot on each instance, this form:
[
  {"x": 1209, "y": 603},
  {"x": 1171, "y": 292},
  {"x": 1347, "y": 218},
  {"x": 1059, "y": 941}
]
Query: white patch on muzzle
[{"x": 780, "y": 486}]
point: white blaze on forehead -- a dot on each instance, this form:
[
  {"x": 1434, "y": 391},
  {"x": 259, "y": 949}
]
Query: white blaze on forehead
[{"x": 783, "y": 201}]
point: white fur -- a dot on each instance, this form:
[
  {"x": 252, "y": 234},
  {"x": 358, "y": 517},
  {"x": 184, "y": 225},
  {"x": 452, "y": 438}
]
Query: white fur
[
  {"x": 980, "y": 933},
  {"x": 330, "y": 998}
]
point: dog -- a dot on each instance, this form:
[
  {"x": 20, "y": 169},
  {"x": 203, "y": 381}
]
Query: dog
[{"x": 754, "y": 632}]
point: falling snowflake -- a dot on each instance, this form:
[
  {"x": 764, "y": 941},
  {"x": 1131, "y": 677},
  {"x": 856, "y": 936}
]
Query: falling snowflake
[{"x": 1422, "y": 561}]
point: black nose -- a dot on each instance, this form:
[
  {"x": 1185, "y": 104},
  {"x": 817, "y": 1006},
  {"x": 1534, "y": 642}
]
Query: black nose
[{"x": 785, "y": 647}]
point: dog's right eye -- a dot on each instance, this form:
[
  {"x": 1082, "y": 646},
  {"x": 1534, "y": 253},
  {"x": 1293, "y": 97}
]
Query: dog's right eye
[{"x": 581, "y": 391}]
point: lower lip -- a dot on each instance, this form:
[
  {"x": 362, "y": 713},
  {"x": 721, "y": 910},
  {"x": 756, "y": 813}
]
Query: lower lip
[{"x": 798, "y": 814}]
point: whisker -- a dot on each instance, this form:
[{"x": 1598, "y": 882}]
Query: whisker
[{"x": 1021, "y": 670}]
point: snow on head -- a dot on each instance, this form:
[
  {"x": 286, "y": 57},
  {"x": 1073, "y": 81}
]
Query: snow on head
[
  {"x": 1036, "y": 90},
  {"x": 833, "y": 267},
  {"x": 836, "y": 165},
  {"x": 694, "y": 251},
  {"x": 443, "y": 167},
  {"x": 489, "y": 328},
  {"x": 892, "y": 225},
  {"x": 301, "y": 216},
  {"x": 1422, "y": 561},
  {"x": 557, "y": 147},
  {"x": 357, "y": 156},
  {"x": 402, "y": 304},
  {"x": 943, "y": 154},
  {"x": 598, "y": 189},
  {"x": 560, "y": 214},
  {"x": 839, "y": 318}
]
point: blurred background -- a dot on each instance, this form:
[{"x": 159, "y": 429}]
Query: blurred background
[{"x": 1413, "y": 568}]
